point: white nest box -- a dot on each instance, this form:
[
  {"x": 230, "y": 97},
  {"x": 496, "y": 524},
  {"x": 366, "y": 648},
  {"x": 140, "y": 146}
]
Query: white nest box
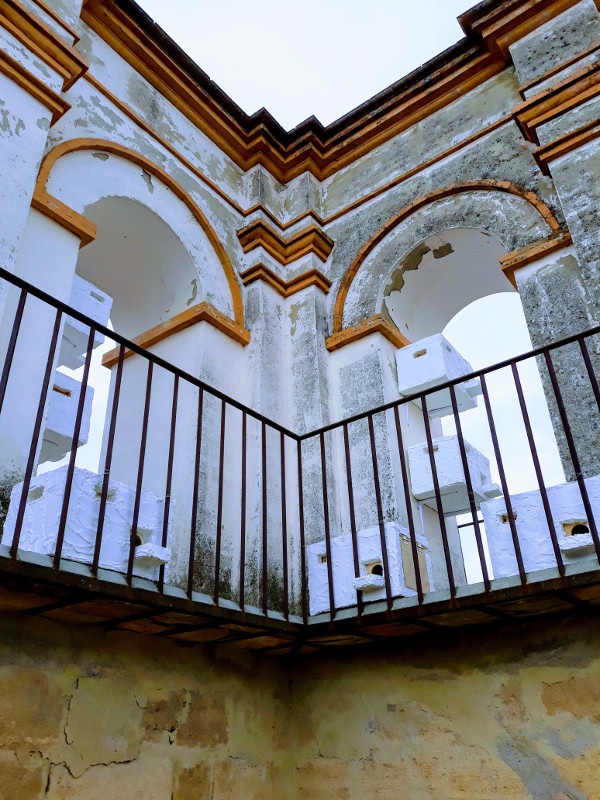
[
  {"x": 450, "y": 474},
  {"x": 429, "y": 362},
  {"x": 42, "y": 516},
  {"x": 570, "y": 524},
  {"x": 63, "y": 400},
  {"x": 94, "y": 303},
  {"x": 371, "y": 580}
]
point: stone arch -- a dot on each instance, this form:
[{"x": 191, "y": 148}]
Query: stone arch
[
  {"x": 56, "y": 180},
  {"x": 515, "y": 216}
]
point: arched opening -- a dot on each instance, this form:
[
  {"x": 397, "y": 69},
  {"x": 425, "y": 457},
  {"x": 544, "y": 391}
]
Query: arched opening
[
  {"x": 502, "y": 333},
  {"x": 142, "y": 266},
  {"x": 154, "y": 257},
  {"x": 439, "y": 277},
  {"x": 451, "y": 283},
  {"x": 138, "y": 260}
]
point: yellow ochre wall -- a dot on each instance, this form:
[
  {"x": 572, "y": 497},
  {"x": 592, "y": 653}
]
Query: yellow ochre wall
[{"x": 508, "y": 714}]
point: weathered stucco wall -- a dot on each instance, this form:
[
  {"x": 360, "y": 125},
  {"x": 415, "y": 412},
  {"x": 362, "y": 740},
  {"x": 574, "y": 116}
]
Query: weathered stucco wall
[
  {"x": 86, "y": 715},
  {"x": 509, "y": 713}
]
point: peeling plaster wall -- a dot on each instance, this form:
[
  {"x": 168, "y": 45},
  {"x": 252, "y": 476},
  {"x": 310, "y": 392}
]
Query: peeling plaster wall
[
  {"x": 503, "y": 714},
  {"x": 509, "y": 713},
  {"x": 84, "y": 716}
]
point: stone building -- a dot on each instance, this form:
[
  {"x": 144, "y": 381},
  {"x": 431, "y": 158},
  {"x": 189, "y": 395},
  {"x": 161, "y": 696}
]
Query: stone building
[{"x": 261, "y": 586}]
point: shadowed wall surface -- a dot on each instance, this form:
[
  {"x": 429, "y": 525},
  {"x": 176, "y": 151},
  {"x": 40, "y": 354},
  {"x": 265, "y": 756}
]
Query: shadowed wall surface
[{"x": 510, "y": 713}]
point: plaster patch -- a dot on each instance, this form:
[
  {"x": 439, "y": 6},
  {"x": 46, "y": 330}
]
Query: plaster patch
[
  {"x": 443, "y": 250},
  {"x": 115, "y": 735}
]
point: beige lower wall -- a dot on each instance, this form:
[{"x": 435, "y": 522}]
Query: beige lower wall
[
  {"x": 86, "y": 715},
  {"x": 488, "y": 714},
  {"x": 484, "y": 715}
]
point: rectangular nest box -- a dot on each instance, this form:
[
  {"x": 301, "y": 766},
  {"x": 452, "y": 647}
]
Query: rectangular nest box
[
  {"x": 371, "y": 580},
  {"x": 450, "y": 474},
  {"x": 429, "y": 362},
  {"x": 569, "y": 522},
  {"x": 63, "y": 400},
  {"x": 94, "y": 303},
  {"x": 43, "y": 511}
]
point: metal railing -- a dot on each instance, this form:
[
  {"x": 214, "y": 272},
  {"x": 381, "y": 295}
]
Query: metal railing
[{"x": 277, "y": 497}]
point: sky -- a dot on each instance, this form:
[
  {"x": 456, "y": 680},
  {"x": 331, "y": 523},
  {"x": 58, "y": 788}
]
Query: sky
[{"x": 317, "y": 57}]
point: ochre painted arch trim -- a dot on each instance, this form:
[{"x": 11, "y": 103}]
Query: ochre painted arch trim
[
  {"x": 116, "y": 149},
  {"x": 426, "y": 199}
]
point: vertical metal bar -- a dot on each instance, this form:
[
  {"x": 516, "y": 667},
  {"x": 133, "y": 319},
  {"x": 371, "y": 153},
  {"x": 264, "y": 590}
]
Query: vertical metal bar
[
  {"x": 10, "y": 350},
  {"x": 108, "y": 461},
  {"x": 193, "y": 523},
  {"x": 302, "y": 537},
  {"x": 469, "y": 485},
  {"x": 503, "y": 482},
  {"x": 590, "y": 370},
  {"x": 573, "y": 453},
  {"x": 538, "y": 471},
  {"x": 167, "y": 507},
  {"x": 409, "y": 510},
  {"x": 359, "y": 599},
  {"x": 284, "y": 530},
  {"x": 140, "y": 475},
  {"x": 327, "y": 528},
  {"x": 219, "y": 508},
  {"x": 36, "y": 434},
  {"x": 438, "y": 497},
  {"x": 265, "y": 520},
  {"x": 73, "y": 455},
  {"x": 380, "y": 520},
  {"x": 243, "y": 516}
]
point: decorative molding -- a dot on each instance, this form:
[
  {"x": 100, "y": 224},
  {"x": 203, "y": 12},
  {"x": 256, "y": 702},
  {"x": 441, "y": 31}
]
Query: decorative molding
[
  {"x": 504, "y": 23},
  {"x": 259, "y": 139},
  {"x": 58, "y": 19},
  {"x": 565, "y": 144},
  {"x": 310, "y": 278},
  {"x": 14, "y": 70},
  {"x": 59, "y": 212},
  {"x": 203, "y": 312},
  {"x": 426, "y": 199},
  {"x": 558, "y": 99},
  {"x": 300, "y": 243},
  {"x": 511, "y": 262},
  {"x": 113, "y": 148},
  {"x": 525, "y": 87},
  {"x": 375, "y": 324},
  {"x": 310, "y": 214},
  {"x": 42, "y": 41}
]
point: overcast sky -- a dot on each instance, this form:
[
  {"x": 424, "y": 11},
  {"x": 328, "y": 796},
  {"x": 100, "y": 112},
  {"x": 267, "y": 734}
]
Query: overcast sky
[{"x": 321, "y": 57}]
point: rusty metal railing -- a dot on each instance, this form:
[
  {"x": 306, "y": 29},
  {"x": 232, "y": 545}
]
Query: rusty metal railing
[{"x": 290, "y": 490}]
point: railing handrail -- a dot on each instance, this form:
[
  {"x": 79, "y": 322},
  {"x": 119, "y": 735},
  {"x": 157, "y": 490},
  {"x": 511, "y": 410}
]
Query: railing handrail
[
  {"x": 122, "y": 340},
  {"x": 130, "y": 345},
  {"x": 409, "y": 398}
]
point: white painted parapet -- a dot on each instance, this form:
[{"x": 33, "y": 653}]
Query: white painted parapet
[
  {"x": 60, "y": 420},
  {"x": 451, "y": 477},
  {"x": 371, "y": 581},
  {"x": 43, "y": 511},
  {"x": 92, "y": 302},
  {"x": 568, "y": 515},
  {"x": 432, "y": 361}
]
